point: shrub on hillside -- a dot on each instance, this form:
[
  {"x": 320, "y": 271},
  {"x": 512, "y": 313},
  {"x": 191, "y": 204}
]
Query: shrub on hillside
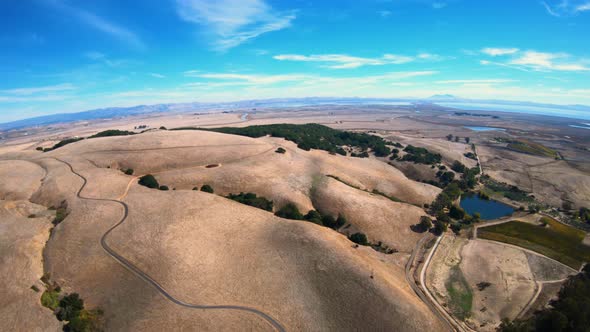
[
  {"x": 289, "y": 211},
  {"x": 112, "y": 132},
  {"x": 207, "y": 188},
  {"x": 359, "y": 238},
  {"x": 149, "y": 181},
  {"x": 280, "y": 150},
  {"x": 314, "y": 217},
  {"x": 252, "y": 200}
]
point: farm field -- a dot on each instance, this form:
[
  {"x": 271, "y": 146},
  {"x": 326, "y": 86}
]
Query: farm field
[{"x": 560, "y": 242}]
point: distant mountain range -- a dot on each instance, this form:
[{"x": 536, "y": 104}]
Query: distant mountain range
[{"x": 572, "y": 111}]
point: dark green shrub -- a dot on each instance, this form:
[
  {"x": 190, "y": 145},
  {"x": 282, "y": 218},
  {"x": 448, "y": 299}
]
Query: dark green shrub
[
  {"x": 425, "y": 224},
  {"x": 289, "y": 211},
  {"x": 359, "y": 238},
  {"x": 128, "y": 171},
  {"x": 252, "y": 200},
  {"x": 280, "y": 150},
  {"x": 314, "y": 217},
  {"x": 149, "y": 181},
  {"x": 207, "y": 188},
  {"x": 70, "y": 307},
  {"x": 164, "y": 188}
]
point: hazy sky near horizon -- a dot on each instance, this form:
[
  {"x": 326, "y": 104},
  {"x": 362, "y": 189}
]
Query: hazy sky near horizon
[{"x": 66, "y": 56}]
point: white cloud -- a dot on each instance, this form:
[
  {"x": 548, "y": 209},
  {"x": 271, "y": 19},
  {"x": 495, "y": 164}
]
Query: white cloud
[
  {"x": 499, "y": 51},
  {"x": 476, "y": 81},
  {"x": 343, "y": 61},
  {"x": 192, "y": 73},
  {"x": 156, "y": 75},
  {"x": 438, "y": 5},
  {"x": 100, "y": 24},
  {"x": 233, "y": 22},
  {"x": 536, "y": 61},
  {"x": 40, "y": 89},
  {"x": 540, "y": 61},
  {"x": 566, "y": 7},
  {"x": 254, "y": 79}
]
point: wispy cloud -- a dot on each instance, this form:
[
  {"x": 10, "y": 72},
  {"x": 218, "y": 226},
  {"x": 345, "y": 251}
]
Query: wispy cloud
[
  {"x": 233, "y": 22},
  {"x": 156, "y": 75},
  {"x": 536, "y": 61},
  {"x": 548, "y": 61},
  {"x": 499, "y": 51},
  {"x": 344, "y": 61},
  {"x": 100, "y": 24},
  {"x": 40, "y": 89},
  {"x": 305, "y": 79},
  {"x": 476, "y": 81},
  {"x": 104, "y": 59},
  {"x": 254, "y": 79},
  {"x": 439, "y": 5},
  {"x": 566, "y": 7}
]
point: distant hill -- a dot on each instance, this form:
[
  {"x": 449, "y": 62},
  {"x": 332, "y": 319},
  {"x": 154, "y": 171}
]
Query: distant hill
[{"x": 573, "y": 111}]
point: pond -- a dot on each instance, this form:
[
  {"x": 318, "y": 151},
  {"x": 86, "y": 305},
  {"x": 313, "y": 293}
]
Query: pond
[
  {"x": 477, "y": 128},
  {"x": 488, "y": 209}
]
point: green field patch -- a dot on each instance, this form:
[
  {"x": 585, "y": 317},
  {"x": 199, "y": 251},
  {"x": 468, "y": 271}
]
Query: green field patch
[
  {"x": 460, "y": 294},
  {"x": 558, "y": 241},
  {"x": 529, "y": 147}
]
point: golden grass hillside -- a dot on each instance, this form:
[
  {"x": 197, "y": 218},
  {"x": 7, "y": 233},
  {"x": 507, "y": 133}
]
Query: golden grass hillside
[{"x": 206, "y": 249}]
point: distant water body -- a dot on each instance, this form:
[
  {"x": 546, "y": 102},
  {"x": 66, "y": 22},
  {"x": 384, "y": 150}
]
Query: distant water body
[
  {"x": 551, "y": 111},
  {"x": 583, "y": 126},
  {"x": 476, "y": 128}
]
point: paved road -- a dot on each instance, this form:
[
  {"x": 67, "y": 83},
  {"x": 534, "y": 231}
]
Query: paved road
[{"x": 134, "y": 269}]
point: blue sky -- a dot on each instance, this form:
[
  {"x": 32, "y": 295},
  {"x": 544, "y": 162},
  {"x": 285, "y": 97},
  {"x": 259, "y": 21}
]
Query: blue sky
[{"x": 67, "y": 56}]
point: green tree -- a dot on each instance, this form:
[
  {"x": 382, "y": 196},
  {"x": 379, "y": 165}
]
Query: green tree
[
  {"x": 439, "y": 227},
  {"x": 456, "y": 212},
  {"x": 149, "y": 181},
  {"x": 425, "y": 223},
  {"x": 70, "y": 307},
  {"x": 458, "y": 167},
  {"x": 280, "y": 150}
]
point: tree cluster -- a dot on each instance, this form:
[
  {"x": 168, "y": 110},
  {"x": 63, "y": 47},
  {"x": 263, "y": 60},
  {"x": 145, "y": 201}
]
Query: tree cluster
[
  {"x": 252, "y": 200},
  {"x": 311, "y": 136},
  {"x": 421, "y": 156},
  {"x": 112, "y": 132}
]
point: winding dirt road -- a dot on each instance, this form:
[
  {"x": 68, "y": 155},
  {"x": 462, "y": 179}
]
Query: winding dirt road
[{"x": 135, "y": 270}]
